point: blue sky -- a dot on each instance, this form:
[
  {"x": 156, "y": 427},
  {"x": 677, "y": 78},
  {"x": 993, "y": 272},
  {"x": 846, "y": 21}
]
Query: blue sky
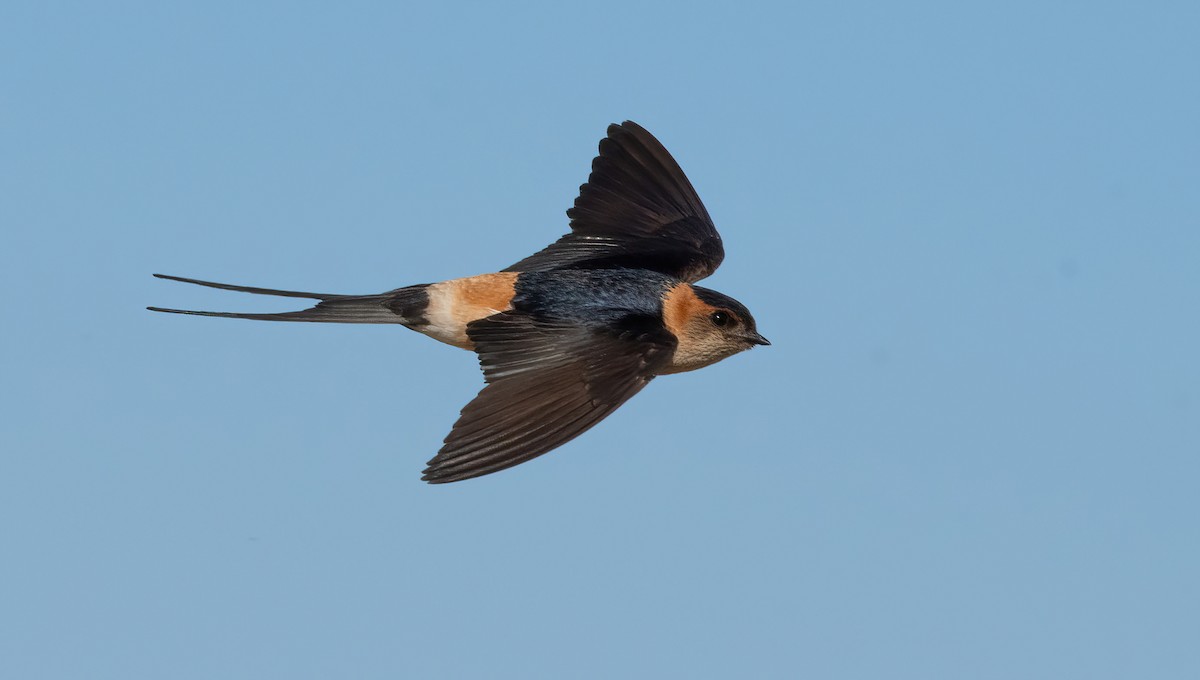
[{"x": 971, "y": 232}]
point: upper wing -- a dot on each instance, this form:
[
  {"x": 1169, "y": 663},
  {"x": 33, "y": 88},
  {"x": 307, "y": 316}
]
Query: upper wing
[
  {"x": 548, "y": 382},
  {"x": 636, "y": 210}
]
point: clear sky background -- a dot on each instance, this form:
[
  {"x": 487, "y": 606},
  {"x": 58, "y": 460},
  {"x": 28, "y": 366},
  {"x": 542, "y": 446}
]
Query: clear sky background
[{"x": 972, "y": 234}]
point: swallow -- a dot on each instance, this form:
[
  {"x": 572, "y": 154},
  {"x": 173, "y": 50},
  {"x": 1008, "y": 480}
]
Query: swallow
[{"x": 568, "y": 334}]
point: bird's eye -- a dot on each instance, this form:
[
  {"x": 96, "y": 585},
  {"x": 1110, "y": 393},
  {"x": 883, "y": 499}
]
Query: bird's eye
[{"x": 720, "y": 318}]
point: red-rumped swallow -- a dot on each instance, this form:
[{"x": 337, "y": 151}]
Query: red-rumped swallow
[{"x": 570, "y": 333}]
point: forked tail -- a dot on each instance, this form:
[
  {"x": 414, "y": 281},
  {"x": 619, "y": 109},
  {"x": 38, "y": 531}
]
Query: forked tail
[{"x": 403, "y": 305}]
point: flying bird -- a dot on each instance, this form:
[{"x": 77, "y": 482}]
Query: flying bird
[{"x": 570, "y": 333}]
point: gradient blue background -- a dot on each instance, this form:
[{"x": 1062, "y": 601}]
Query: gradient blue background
[{"x": 972, "y": 233}]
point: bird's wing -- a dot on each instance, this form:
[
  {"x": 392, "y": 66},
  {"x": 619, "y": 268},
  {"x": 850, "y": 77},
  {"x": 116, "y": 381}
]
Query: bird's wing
[
  {"x": 636, "y": 210},
  {"x": 548, "y": 382}
]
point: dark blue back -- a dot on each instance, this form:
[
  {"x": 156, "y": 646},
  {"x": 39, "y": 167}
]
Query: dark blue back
[{"x": 596, "y": 295}]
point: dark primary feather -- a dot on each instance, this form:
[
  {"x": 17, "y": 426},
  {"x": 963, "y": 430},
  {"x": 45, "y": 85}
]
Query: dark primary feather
[
  {"x": 637, "y": 210},
  {"x": 548, "y": 382}
]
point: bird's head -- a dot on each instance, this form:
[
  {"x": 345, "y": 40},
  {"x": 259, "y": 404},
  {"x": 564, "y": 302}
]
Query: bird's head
[{"x": 709, "y": 326}]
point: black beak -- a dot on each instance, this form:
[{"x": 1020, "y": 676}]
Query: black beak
[{"x": 758, "y": 339}]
